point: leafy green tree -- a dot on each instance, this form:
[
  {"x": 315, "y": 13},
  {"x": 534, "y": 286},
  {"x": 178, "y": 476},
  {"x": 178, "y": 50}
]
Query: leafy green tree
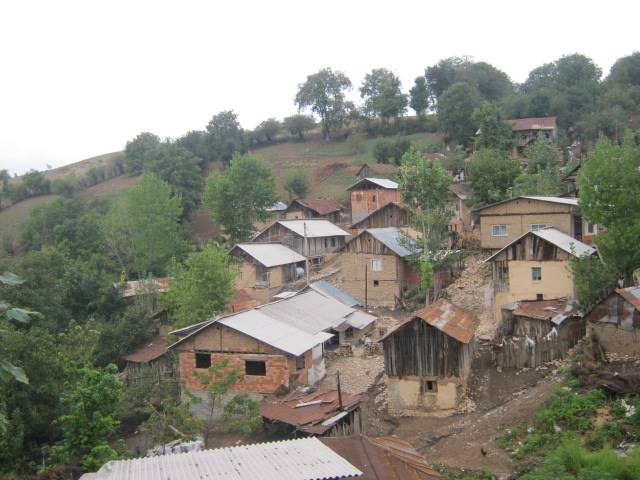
[
  {"x": 297, "y": 125},
  {"x": 543, "y": 155},
  {"x": 609, "y": 183},
  {"x": 35, "y": 183},
  {"x": 391, "y": 151},
  {"x": 492, "y": 174},
  {"x": 200, "y": 287},
  {"x": 240, "y": 197},
  {"x": 66, "y": 186},
  {"x": 357, "y": 143},
  {"x": 181, "y": 170},
  {"x": 594, "y": 280},
  {"x": 324, "y": 93},
  {"x": 626, "y": 70},
  {"x": 296, "y": 184},
  {"x": 269, "y": 129},
  {"x": 441, "y": 76},
  {"x": 196, "y": 142},
  {"x": 4, "y": 184},
  {"x": 419, "y": 96},
  {"x": 143, "y": 234},
  {"x": 455, "y": 112},
  {"x": 543, "y": 182},
  {"x": 382, "y": 95},
  {"x": 226, "y": 137},
  {"x": 494, "y": 131},
  {"x": 136, "y": 149}
]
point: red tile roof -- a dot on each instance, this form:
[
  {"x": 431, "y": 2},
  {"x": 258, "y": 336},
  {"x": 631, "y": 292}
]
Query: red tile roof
[
  {"x": 154, "y": 348},
  {"x": 322, "y": 206},
  {"x": 388, "y": 458},
  {"x": 533, "y": 123},
  {"x": 446, "y": 317}
]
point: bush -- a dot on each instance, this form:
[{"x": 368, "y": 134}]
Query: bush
[
  {"x": 570, "y": 411},
  {"x": 391, "y": 151},
  {"x": 67, "y": 186},
  {"x": 356, "y": 142}
]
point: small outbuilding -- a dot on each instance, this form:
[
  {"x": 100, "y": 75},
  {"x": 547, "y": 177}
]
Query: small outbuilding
[
  {"x": 393, "y": 214},
  {"x": 427, "y": 359},
  {"x": 326, "y": 208}
]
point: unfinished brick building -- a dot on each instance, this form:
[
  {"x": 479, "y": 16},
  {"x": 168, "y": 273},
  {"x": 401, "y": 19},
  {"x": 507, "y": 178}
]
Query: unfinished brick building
[{"x": 370, "y": 194}]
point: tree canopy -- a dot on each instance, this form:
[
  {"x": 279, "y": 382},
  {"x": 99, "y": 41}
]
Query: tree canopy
[
  {"x": 383, "y": 98},
  {"x": 492, "y": 174},
  {"x": 226, "y": 137},
  {"x": 455, "y": 112}
]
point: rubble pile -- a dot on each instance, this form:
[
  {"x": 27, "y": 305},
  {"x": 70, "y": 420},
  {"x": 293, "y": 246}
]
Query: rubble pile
[{"x": 357, "y": 373}]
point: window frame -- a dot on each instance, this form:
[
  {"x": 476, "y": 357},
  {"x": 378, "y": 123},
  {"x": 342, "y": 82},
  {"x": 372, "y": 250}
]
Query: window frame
[
  {"x": 201, "y": 356},
  {"x": 541, "y": 226},
  {"x": 506, "y": 230},
  {"x": 533, "y": 276},
  {"x": 255, "y": 364},
  {"x": 377, "y": 262}
]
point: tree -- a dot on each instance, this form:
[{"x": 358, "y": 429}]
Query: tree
[
  {"x": 391, "y": 151},
  {"x": 441, "y": 76},
  {"x": 492, "y": 174},
  {"x": 201, "y": 286},
  {"x": 226, "y": 137},
  {"x": 455, "y": 112},
  {"x": 543, "y": 182},
  {"x": 297, "y": 125},
  {"x": 324, "y": 93},
  {"x": 609, "y": 183},
  {"x": 181, "y": 170},
  {"x": 35, "y": 183},
  {"x": 382, "y": 95},
  {"x": 269, "y": 129},
  {"x": 217, "y": 383},
  {"x": 296, "y": 184},
  {"x": 626, "y": 70},
  {"x": 143, "y": 234},
  {"x": 594, "y": 280},
  {"x": 136, "y": 149},
  {"x": 196, "y": 142},
  {"x": 240, "y": 197},
  {"x": 543, "y": 155},
  {"x": 66, "y": 186},
  {"x": 4, "y": 184},
  {"x": 419, "y": 96},
  {"x": 494, "y": 131}
]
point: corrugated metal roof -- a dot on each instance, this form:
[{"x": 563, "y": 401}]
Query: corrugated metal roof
[
  {"x": 388, "y": 458},
  {"x": 461, "y": 190},
  {"x": 279, "y": 334},
  {"x": 300, "y": 459},
  {"x": 314, "y": 227},
  {"x": 154, "y": 348},
  {"x": 310, "y": 412},
  {"x": 277, "y": 207},
  {"x": 328, "y": 290},
  {"x": 563, "y": 200},
  {"x": 446, "y": 317},
  {"x": 360, "y": 320},
  {"x": 308, "y": 311},
  {"x": 533, "y": 123},
  {"x": 136, "y": 287},
  {"x": 560, "y": 239},
  {"x": 543, "y": 309},
  {"x": 393, "y": 238},
  {"x": 322, "y": 206},
  {"x": 270, "y": 254},
  {"x": 380, "y": 182},
  {"x": 631, "y": 295}
]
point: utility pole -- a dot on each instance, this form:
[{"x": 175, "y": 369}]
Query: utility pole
[
  {"x": 366, "y": 284},
  {"x": 339, "y": 391}
]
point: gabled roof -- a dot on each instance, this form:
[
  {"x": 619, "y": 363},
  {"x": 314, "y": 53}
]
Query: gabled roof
[
  {"x": 377, "y": 182},
  {"x": 136, "y": 287},
  {"x": 328, "y": 290},
  {"x": 560, "y": 239},
  {"x": 269, "y": 254},
  {"x": 378, "y": 211},
  {"x": 149, "y": 351},
  {"x": 378, "y": 168},
  {"x": 299, "y": 459},
  {"x": 393, "y": 238},
  {"x": 555, "y": 310},
  {"x": 461, "y": 190},
  {"x": 533, "y": 123},
  {"x": 322, "y": 206},
  {"x": 277, "y": 207},
  {"x": 541, "y": 198},
  {"x": 446, "y": 317},
  {"x": 631, "y": 295},
  {"x": 313, "y": 227}
]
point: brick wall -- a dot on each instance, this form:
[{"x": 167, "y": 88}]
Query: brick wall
[
  {"x": 369, "y": 200},
  {"x": 382, "y": 287}
]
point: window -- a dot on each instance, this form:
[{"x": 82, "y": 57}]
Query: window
[
  {"x": 376, "y": 265},
  {"x": 348, "y": 333},
  {"x": 373, "y": 198},
  {"x": 203, "y": 360},
  {"x": 539, "y": 297},
  {"x": 255, "y": 367},
  {"x": 240, "y": 275},
  {"x": 430, "y": 386},
  {"x": 592, "y": 229},
  {"x": 333, "y": 241},
  {"x": 536, "y": 273},
  {"x": 358, "y": 196},
  {"x": 300, "y": 362},
  {"x": 498, "y": 230},
  {"x": 534, "y": 227},
  {"x": 376, "y": 283}
]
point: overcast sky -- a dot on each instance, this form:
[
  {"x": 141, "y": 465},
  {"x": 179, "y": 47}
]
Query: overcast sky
[{"x": 79, "y": 79}]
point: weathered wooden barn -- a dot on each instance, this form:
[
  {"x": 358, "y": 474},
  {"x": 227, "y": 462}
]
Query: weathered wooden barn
[
  {"x": 615, "y": 321},
  {"x": 326, "y": 208},
  {"x": 377, "y": 170},
  {"x": 427, "y": 358},
  {"x": 370, "y": 194},
  {"x": 393, "y": 214},
  {"x": 535, "y": 332}
]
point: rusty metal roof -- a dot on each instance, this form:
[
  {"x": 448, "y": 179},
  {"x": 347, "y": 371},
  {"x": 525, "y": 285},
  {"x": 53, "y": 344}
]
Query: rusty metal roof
[
  {"x": 154, "y": 348},
  {"x": 542, "y": 309},
  {"x": 388, "y": 458},
  {"x": 314, "y": 417},
  {"x": 631, "y": 295},
  {"x": 322, "y": 206},
  {"x": 136, "y": 287},
  {"x": 533, "y": 123},
  {"x": 446, "y": 317}
]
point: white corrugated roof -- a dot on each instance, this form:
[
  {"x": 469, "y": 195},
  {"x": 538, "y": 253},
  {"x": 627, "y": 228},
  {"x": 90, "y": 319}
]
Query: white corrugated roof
[
  {"x": 566, "y": 201},
  {"x": 314, "y": 228},
  {"x": 279, "y": 334},
  {"x": 381, "y": 182},
  {"x": 359, "y": 319},
  {"x": 308, "y": 311},
  {"x": 393, "y": 238},
  {"x": 271, "y": 254},
  {"x": 299, "y": 459}
]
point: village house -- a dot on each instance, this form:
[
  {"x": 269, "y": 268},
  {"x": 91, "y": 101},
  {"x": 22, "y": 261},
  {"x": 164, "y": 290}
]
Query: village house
[
  {"x": 570, "y": 178},
  {"x": 535, "y": 266},
  {"x": 391, "y": 215},
  {"x": 266, "y": 268},
  {"x": 335, "y": 458},
  {"x": 533, "y": 332},
  {"x": 375, "y": 266},
  {"x": 323, "y": 412},
  {"x": 312, "y": 238},
  {"x": 461, "y": 223},
  {"x": 274, "y": 212},
  {"x": 427, "y": 359},
  {"x": 149, "y": 362},
  {"x": 376, "y": 170},
  {"x": 615, "y": 321},
  {"x": 527, "y": 130},
  {"x": 326, "y": 208},
  {"x": 503, "y": 222},
  {"x": 370, "y": 194}
]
